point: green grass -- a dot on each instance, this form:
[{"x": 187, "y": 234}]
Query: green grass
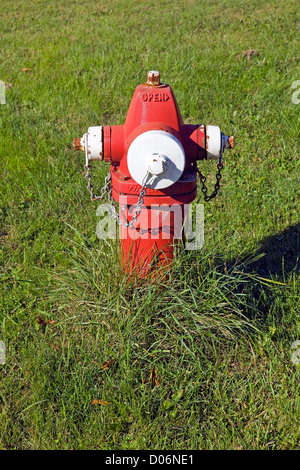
[{"x": 220, "y": 332}]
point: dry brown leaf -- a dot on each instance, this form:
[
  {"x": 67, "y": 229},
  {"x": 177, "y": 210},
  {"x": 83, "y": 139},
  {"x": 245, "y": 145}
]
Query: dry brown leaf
[
  {"x": 152, "y": 379},
  {"x": 101, "y": 402},
  {"x": 249, "y": 53},
  {"x": 106, "y": 365},
  {"x": 41, "y": 321},
  {"x": 26, "y": 69}
]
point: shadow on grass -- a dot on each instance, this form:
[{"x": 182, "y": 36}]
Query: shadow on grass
[
  {"x": 280, "y": 254},
  {"x": 270, "y": 270}
]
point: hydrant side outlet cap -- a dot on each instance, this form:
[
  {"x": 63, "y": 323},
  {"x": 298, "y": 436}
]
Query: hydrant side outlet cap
[
  {"x": 95, "y": 143},
  {"x": 151, "y": 150},
  {"x": 213, "y": 142}
]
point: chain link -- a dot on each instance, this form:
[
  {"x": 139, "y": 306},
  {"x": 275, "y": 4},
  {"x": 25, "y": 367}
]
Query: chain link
[
  {"x": 90, "y": 187},
  {"x": 204, "y": 188},
  {"x": 138, "y": 207},
  {"x": 107, "y": 188}
]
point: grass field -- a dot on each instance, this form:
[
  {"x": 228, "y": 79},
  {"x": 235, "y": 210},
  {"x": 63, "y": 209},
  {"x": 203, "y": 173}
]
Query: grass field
[{"x": 81, "y": 341}]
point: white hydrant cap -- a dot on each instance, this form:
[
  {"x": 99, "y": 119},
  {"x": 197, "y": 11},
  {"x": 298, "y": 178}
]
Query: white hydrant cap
[
  {"x": 216, "y": 142},
  {"x": 91, "y": 143},
  {"x": 158, "y": 153}
]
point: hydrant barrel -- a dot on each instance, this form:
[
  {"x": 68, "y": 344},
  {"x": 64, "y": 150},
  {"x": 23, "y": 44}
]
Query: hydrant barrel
[{"x": 150, "y": 242}]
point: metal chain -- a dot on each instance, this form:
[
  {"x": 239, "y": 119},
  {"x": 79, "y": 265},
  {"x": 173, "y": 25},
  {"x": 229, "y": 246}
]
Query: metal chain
[
  {"x": 90, "y": 187},
  {"x": 107, "y": 188},
  {"x": 204, "y": 188},
  {"x": 137, "y": 211}
]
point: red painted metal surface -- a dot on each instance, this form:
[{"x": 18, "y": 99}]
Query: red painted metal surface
[{"x": 151, "y": 242}]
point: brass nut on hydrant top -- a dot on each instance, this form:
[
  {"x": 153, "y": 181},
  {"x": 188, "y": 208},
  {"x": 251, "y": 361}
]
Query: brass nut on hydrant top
[{"x": 153, "y": 78}]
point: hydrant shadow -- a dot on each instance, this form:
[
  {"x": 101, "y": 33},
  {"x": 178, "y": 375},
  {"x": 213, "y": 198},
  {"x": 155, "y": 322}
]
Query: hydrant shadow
[
  {"x": 261, "y": 280},
  {"x": 269, "y": 272},
  {"x": 279, "y": 254}
]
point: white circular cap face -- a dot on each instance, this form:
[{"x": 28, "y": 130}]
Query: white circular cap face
[
  {"x": 158, "y": 153},
  {"x": 213, "y": 142},
  {"x": 94, "y": 143}
]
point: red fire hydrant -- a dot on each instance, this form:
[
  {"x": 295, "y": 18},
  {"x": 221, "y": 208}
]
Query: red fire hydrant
[{"x": 153, "y": 168}]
